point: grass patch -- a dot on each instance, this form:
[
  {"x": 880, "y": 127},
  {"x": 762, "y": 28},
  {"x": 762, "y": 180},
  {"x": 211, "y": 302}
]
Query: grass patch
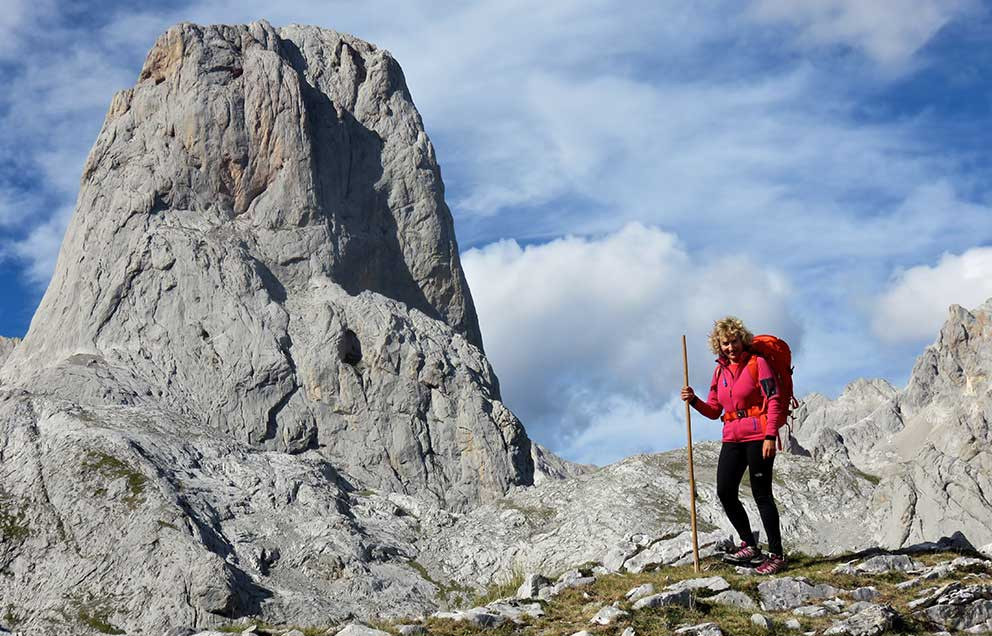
[
  {"x": 97, "y": 618},
  {"x": 11, "y": 618},
  {"x": 874, "y": 479},
  {"x": 501, "y": 590},
  {"x": 112, "y": 468},
  {"x": 450, "y": 593},
  {"x": 14, "y": 527}
]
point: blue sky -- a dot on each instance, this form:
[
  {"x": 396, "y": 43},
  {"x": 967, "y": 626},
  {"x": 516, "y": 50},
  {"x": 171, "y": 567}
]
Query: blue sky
[{"x": 620, "y": 173}]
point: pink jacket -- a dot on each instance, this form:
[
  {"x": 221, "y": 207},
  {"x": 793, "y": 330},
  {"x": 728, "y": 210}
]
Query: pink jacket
[{"x": 733, "y": 393}]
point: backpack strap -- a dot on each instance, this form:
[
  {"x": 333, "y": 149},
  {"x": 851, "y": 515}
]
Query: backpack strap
[{"x": 752, "y": 366}]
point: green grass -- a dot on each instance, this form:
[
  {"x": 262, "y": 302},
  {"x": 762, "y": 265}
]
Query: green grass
[
  {"x": 448, "y": 592},
  {"x": 98, "y": 622},
  {"x": 14, "y": 527},
  {"x": 502, "y": 590},
  {"x": 874, "y": 479},
  {"x": 112, "y": 468}
]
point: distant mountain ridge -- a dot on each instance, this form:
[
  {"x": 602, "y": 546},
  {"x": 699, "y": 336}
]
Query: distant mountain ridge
[{"x": 929, "y": 444}]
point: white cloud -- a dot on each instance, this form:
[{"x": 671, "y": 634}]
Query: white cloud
[
  {"x": 619, "y": 427},
  {"x": 915, "y": 305},
  {"x": 40, "y": 248},
  {"x": 581, "y": 329},
  {"x": 889, "y": 32}
]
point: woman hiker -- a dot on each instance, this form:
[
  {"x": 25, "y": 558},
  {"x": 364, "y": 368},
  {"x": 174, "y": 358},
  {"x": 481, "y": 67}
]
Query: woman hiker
[{"x": 744, "y": 390}]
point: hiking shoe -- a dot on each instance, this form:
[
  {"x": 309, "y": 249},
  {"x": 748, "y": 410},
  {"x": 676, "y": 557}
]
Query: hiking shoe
[
  {"x": 774, "y": 563},
  {"x": 746, "y": 555}
]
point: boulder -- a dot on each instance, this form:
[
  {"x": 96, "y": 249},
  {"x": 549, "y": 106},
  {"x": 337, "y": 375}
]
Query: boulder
[
  {"x": 531, "y": 586},
  {"x": 733, "y": 597},
  {"x": 703, "y": 629},
  {"x": 788, "y": 592},
  {"x": 762, "y": 621},
  {"x": 711, "y": 583},
  {"x": 681, "y": 597},
  {"x": 639, "y": 592},
  {"x": 357, "y": 629},
  {"x": 608, "y": 614},
  {"x": 884, "y": 563},
  {"x": 870, "y": 621}
]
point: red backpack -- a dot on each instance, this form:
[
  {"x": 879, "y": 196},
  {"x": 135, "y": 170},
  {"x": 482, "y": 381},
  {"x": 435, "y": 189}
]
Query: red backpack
[{"x": 779, "y": 357}]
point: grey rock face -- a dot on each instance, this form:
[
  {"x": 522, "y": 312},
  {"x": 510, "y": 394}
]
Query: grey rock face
[
  {"x": 928, "y": 444},
  {"x": 6, "y": 347},
  {"x": 548, "y": 466},
  {"x": 258, "y": 318},
  {"x": 261, "y": 241}
]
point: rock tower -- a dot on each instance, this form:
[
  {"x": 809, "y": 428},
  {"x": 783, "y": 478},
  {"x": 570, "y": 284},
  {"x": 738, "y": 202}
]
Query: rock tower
[{"x": 258, "y": 313}]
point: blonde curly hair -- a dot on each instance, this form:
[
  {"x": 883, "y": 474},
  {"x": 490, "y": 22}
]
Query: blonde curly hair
[{"x": 727, "y": 329}]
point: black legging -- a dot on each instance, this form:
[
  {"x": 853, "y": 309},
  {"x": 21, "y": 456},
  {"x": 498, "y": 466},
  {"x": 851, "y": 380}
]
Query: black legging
[{"x": 735, "y": 458}]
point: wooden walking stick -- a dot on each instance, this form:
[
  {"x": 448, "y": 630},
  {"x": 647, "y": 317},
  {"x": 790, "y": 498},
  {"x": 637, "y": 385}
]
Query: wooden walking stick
[{"x": 692, "y": 478}]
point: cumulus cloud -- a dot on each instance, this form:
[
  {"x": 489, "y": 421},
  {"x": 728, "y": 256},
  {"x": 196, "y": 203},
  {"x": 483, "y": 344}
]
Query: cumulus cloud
[
  {"x": 585, "y": 333},
  {"x": 915, "y": 304},
  {"x": 888, "y": 32}
]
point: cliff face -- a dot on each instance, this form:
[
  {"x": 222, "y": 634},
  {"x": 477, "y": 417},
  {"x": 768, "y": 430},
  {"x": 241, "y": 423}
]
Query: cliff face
[
  {"x": 250, "y": 212},
  {"x": 258, "y": 311}
]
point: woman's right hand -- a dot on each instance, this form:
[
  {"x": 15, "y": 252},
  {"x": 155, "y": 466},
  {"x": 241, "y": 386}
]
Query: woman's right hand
[{"x": 688, "y": 394}]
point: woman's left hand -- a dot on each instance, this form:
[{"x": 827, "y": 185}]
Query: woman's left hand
[{"x": 768, "y": 449}]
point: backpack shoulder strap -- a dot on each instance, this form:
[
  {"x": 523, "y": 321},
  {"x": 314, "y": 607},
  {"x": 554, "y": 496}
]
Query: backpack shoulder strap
[{"x": 752, "y": 367}]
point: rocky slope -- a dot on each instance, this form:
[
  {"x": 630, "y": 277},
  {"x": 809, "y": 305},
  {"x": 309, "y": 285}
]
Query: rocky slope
[
  {"x": 919, "y": 591},
  {"x": 928, "y": 444},
  {"x": 258, "y": 317}
]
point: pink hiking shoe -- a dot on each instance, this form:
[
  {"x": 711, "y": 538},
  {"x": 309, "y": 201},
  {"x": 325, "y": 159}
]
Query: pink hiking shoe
[
  {"x": 746, "y": 555},
  {"x": 773, "y": 564}
]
